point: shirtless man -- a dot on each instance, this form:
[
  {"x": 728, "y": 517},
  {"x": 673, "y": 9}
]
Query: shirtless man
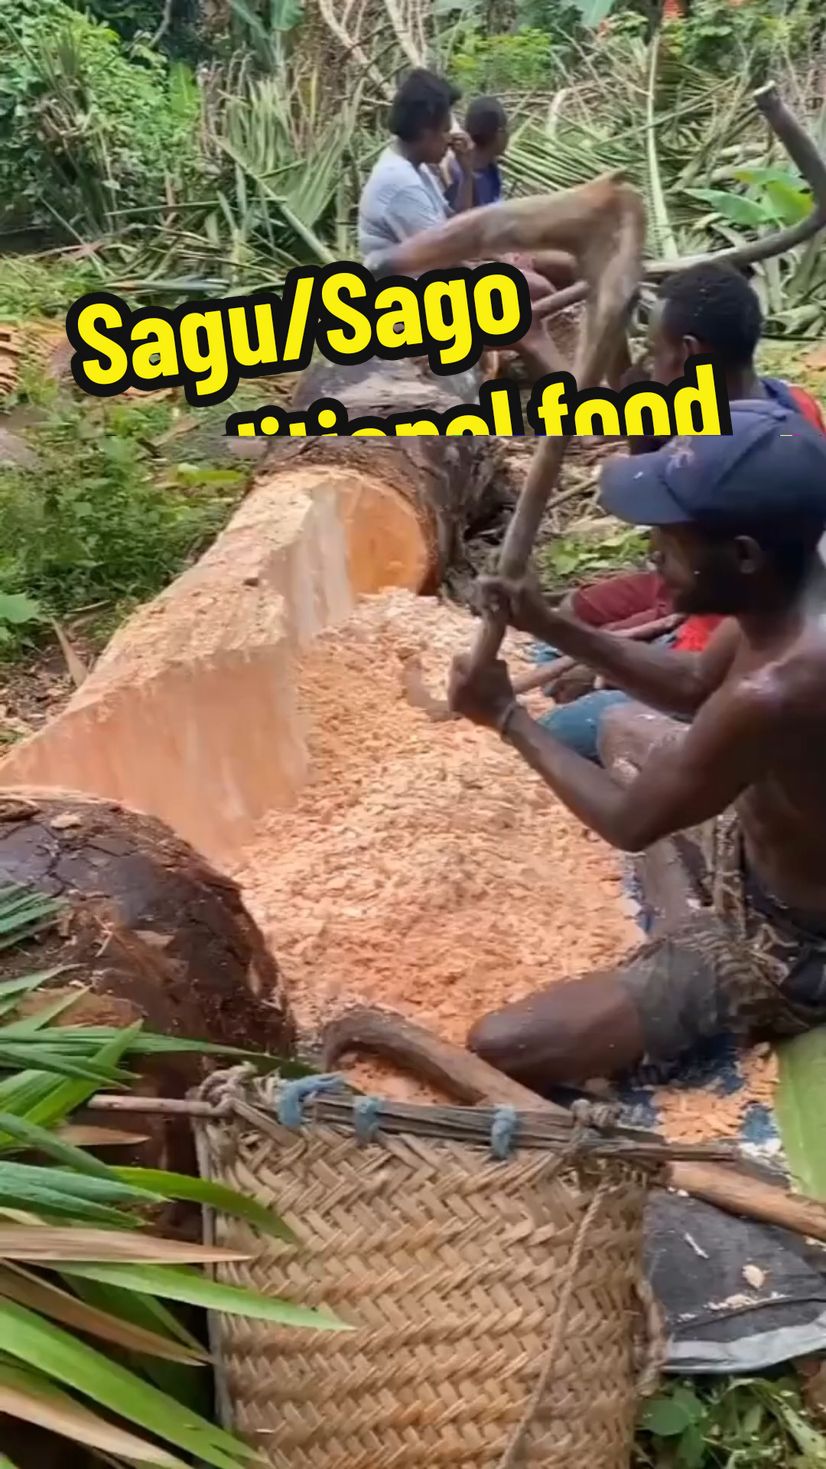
[{"x": 736, "y": 524}]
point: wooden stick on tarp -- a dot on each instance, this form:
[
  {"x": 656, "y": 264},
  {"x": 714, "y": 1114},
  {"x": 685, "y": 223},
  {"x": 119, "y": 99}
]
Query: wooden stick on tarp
[{"x": 807, "y": 157}]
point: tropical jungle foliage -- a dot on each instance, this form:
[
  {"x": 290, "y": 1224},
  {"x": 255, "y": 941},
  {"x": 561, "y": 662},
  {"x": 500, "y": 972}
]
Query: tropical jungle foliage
[{"x": 90, "y": 1349}]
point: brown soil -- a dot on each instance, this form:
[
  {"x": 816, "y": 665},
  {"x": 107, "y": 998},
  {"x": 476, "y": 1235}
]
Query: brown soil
[{"x": 36, "y": 688}]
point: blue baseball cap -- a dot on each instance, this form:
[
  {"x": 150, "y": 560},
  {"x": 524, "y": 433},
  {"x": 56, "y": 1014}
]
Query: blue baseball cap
[{"x": 772, "y": 463}]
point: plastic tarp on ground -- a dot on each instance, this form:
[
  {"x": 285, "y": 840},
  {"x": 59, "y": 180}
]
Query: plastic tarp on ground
[{"x": 720, "y": 1319}]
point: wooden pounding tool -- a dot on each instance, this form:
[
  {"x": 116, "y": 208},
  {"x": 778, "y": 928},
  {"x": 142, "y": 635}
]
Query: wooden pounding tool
[{"x": 602, "y": 224}]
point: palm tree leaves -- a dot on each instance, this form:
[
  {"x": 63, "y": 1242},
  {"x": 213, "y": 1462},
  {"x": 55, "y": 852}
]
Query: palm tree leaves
[
  {"x": 694, "y": 146},
  {"x": 92, "y": 1350}
]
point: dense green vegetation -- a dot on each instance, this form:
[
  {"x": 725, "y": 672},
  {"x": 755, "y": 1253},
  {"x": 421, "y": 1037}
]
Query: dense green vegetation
[
  {"x": 755, "y": 1423},
  {"x": 173, "y": 149},
  {"x": 105, "y": 518},
  {"x": 214, "y": 152},
  {"x": 89, "y": 1349}
]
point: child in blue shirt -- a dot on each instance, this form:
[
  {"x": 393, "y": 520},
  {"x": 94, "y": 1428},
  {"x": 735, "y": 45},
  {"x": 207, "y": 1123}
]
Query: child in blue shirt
[{"x": 486, "y": 125}]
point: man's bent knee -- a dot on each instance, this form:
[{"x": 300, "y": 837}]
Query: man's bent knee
[
  {"x": 495, "y": 1039},
  {"x": 629, "y": 732},
  {"x": 508, "y": 1039},
  {"x": 563, "y": 1034}
]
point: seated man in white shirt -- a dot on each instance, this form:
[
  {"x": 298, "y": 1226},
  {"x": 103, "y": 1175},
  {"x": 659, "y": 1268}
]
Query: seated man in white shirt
[{"x": 404, "y": 194}]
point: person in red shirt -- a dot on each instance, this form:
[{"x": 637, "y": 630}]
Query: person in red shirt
[{"x": 708, "y": 310}]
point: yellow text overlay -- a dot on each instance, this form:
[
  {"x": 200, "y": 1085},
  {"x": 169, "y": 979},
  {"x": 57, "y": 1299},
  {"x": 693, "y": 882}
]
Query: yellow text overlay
[
  {"x": 695, "y": 404},
  {"x": 207, "y": 347}
]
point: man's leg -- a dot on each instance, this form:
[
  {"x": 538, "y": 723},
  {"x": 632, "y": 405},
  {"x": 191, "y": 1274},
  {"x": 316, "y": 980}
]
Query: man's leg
[
  {"x": 658, "y": 1004},
  {"x": 581, "y": 725},
  {"x": 629, "y": 733},
  {"x": 563, "y": 1035},
  {"x": 577, "y": 725}
]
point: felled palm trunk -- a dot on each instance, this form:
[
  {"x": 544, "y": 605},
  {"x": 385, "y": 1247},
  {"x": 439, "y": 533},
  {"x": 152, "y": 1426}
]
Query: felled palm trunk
[
  {"x": 457, "y": 484},
  {"x": 193, "y": 712},
  {"x": 151, "y": 931}
]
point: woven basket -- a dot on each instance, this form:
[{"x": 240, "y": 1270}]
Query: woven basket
[{"x": 494, "y": 1299}]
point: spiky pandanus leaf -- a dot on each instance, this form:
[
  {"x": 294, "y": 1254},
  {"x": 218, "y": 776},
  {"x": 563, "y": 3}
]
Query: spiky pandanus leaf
[{"x": 76, "y": 1264}]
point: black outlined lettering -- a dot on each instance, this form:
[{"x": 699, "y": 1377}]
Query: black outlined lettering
[
  {"x": 693, "y": 404},
  {"x": 207, "y": 347},
  {"x": 556, "y": 409},
  {"x": 498, "y": 414}
]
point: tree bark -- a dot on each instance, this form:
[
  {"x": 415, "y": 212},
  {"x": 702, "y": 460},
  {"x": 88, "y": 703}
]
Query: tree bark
[
  {"x": 151, "y": 931},
  {"x": 155, "y": 934},
  {"x": 177, "y": 940}
]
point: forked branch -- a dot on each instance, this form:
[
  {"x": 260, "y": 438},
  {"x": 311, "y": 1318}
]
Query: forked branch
[
  {"x": 803, "y": 152},
  {"x": 602, "y": 225}
]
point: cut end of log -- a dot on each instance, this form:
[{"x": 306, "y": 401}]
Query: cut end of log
[{"x": 210, "y": 662}]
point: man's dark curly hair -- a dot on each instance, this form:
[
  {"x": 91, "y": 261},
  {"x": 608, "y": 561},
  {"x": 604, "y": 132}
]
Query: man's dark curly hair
[
  {"x": 423, "y": 101},
  {"x": 715, "y": 304},
  {"x": 485, "y": 117}
]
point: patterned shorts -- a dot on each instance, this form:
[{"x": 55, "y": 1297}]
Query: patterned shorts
[{"x": 741, "y": 965}]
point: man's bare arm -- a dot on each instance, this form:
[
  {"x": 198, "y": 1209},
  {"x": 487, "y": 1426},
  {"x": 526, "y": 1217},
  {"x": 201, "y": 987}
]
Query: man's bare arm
[
  {"x": 539, "y": 354},
  {"x": 683, "y": 783},
  {"x": 675, "y": 683}
]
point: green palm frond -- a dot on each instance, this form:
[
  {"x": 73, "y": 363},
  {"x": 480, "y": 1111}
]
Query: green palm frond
[
  {"x": 694, "y": 145},
  {"x": 24, "y": 913},
  {"x": 76, "y": 1265}
]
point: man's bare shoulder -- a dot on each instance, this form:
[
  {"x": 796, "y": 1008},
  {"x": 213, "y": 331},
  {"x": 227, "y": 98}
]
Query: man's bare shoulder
[{"x": 790, "y": 684}]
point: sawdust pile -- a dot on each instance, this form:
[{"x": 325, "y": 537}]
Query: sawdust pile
[
  {"x": 693, "y": 1116},
  {"x": 425, "y": 868}
]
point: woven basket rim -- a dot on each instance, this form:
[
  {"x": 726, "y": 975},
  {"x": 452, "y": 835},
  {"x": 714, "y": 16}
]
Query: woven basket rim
[{"x": 591, "y": 1132}]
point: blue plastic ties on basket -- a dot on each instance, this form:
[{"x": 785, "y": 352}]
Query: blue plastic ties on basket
[
  {"x": 366, "y": 1111},
  {"x": 502, "y": 1131},
  {"x": 293, "y": 1096}
]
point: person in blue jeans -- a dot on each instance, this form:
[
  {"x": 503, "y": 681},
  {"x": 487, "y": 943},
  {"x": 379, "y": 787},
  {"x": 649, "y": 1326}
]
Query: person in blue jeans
[{"x": 578, "y": 723}]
